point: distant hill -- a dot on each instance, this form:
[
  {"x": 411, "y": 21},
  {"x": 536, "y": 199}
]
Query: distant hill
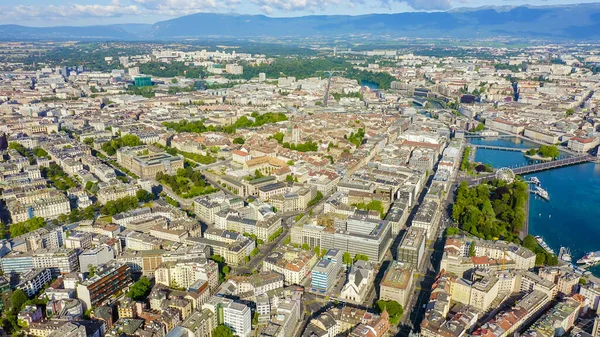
[
  {"x": 108, "y": 32},
  {"x": 564, "y": 22}
]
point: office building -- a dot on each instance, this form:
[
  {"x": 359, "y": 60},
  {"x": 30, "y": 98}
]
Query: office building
[
  {"x": 324, "y": 275},
  {"x": 96, "y": 256},
  {"x": 143, "y": 81},
  {"x": 360, "y": 235},
  {"x": 412, "y": 247},
  {"x": 397, "y": 283},
  {"x": 146, "y": 164}
]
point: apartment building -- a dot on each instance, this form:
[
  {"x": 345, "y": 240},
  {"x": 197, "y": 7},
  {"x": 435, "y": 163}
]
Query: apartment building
[
  {"x": 294, "y": 264},
  {"x": 232, "y": 314},
  {"x": 114, "y": 190},
  {"x": 186, "y": 273},
  {"x": 48, "y": 207},
  {"x": 427, "y": 217},
  {"x": 108, "y": 280},
  {"x": 34, "y": 280}
]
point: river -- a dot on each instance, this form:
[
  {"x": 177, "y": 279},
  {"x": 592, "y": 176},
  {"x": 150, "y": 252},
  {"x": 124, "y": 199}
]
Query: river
[{"x": 570, "y": 218}]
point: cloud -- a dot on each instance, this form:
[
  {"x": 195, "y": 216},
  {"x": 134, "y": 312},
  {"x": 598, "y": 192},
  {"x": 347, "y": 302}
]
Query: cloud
[
  {"x": 174, "y": 8},
  {"x": 53, "y": 12},
  {"x": 269, "y": 6},
  {"x": 180, "y": 7},
  {"x": 119, "y": 8},
  {"x": 421, "y": 5},
  {"x": 429, "y": 5}
]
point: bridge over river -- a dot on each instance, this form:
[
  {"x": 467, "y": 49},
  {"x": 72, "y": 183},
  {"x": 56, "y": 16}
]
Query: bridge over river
[{"x": 536, "y": 167}]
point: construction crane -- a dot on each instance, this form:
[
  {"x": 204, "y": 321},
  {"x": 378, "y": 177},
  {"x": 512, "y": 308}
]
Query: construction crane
[{"x": 330, "y": 73}]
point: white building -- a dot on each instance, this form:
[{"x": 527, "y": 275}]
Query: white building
[{"x": 236, "y": 316}]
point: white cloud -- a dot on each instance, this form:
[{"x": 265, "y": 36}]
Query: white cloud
[
  {"x": 74, "y": 10},
  {"x": 268, "y": 6},
  {"x": 174, "y": 8},
  {"x": 429, "y": 4},
  {"x": 182, "y": 7}
]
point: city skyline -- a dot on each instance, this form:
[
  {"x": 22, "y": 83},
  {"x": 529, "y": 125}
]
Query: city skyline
[{"x": 101, "y": 12}]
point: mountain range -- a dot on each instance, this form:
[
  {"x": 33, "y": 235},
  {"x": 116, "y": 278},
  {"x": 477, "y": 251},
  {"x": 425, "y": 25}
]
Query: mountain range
[{"x": 579, "y": 22}]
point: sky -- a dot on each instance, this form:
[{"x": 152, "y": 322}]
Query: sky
[{"x": 42, "y": 13}]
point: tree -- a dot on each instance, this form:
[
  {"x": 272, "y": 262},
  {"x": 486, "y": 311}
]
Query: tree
[
  {"x": 531, "y": 152},
  {"x": 222, "y": 331},
  {"x": 551, "y": 260},
  {"x": 393, "y": 308},
  {"x": 144, "y": 196},
  {"x": 27, "y": 226},
  {"x": 472, "y": 249},
  {"x": 305, "y": 246},
  {"x": 530, "y": 243},
  {"x": 316, "y": 199},
  {"x": 540, "y": 258},
  {"x": 582, "y": 281},
  {"x": 140, "y": 289},
  {"x": 347, "y": 258},
  {"x": 92, "y": 270},
  {"x": 89, "y": 141},
  {"x": 361, "y": 257},
  {"x": 39, "y": 152},
  {"x": 570, "y": 112},
  {"x": 239, "y": 140},
  {"x": 317, "y": 250},
  {"x": 17, "y": 299},
  {"x": 452, "y": 231},
  {"x": 549, "y": 151}
]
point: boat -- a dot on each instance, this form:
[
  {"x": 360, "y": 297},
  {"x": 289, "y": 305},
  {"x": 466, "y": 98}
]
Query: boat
[
  {"x": 590, "y": 258},
  {"x": 534, "y": 180},
  {"x": 544, "y": 245},
  {"x": 542, "y": 193},
  {"x": 565, "y": 254}
]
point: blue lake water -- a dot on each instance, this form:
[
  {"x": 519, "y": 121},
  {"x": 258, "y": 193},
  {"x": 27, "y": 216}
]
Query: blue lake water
[{"x": 572, "y": 216}]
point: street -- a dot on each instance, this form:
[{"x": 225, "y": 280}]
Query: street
[{"x": 264, "y": 250}]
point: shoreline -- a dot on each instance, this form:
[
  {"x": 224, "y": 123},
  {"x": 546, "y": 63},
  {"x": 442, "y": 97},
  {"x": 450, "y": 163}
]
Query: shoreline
[
  {"x": 525, "y": 230},
  {"x": 537, "y": 157}
]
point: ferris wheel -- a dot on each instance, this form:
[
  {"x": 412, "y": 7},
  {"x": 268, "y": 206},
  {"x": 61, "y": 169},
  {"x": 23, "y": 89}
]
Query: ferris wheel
[{"x": 505, "y": 174}]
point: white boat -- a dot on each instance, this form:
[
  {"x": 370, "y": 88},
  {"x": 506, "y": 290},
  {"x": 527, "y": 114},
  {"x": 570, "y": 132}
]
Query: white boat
[
  {"x": 541, "y": 193},
  {"x": 590, "y": 258},
  {"x": 534, "y": 180},
  {"x": 544, "y": 245},
  {"x": 565, "y": 254}
]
